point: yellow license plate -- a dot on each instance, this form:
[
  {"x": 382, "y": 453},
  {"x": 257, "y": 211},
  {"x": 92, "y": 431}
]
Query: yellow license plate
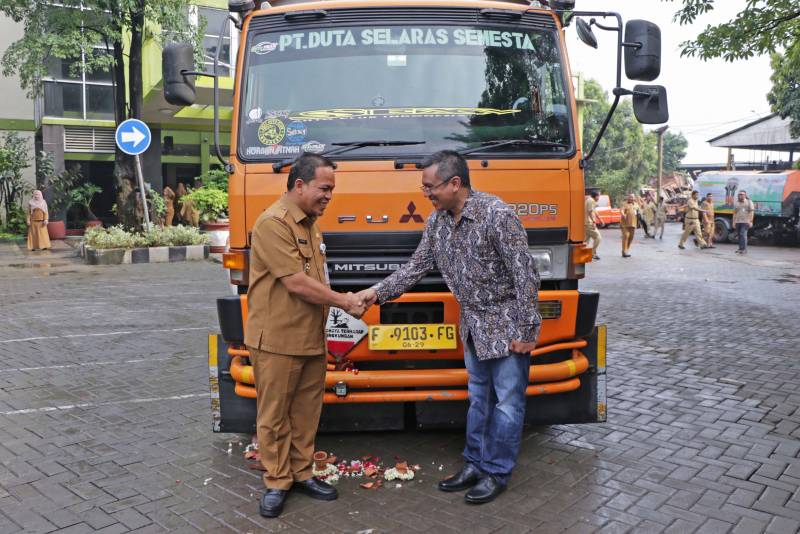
[{"x": 412, "y": 337}]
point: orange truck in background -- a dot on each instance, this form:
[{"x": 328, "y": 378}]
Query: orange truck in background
[{"x": 376, "y": 86}]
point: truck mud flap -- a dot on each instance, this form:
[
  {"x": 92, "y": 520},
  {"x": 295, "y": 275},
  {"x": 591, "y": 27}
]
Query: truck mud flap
[{"x": 586, "y": 404}]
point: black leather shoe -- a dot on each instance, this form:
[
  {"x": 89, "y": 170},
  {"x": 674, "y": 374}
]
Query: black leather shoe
[
  {"x": 317, "y": 489},
  {"x": 272, "y": 502},
  {"x": 464, "y": 479},
  {"x": 485, "y": 491}
]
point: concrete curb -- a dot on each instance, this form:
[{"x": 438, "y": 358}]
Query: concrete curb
[{"x": 116, "y": 256}]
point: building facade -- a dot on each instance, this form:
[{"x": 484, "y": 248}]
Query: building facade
[{"x": 74, "y": 119}]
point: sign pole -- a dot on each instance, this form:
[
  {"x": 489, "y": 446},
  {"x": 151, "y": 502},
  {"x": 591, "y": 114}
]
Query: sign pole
[
  {"x": 140, "y": 179},
  {"x": 133, "y": 138}
]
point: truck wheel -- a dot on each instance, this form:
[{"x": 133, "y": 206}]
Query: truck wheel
[{"x": 721, "y": 230}]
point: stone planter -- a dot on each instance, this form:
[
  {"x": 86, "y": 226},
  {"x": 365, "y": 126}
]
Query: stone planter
[
  {"x": 218, "y": 232},
  {"x": 116, "y": 256}
]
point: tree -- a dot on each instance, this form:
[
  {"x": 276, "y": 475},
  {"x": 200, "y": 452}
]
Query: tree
[
  {"x": 13, "y": 156},
  {"x": 100, "y": 35},
  {"x": 675, "y": 145},
  {"x": 762, "y": 27},
  {"x": 627, "y": 155}
]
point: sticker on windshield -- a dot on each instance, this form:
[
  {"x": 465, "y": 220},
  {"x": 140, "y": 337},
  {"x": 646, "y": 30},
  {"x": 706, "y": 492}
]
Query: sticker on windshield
[
  {"x": 264, "y": 47},
  {"x": 340, "y": 38},
  {"x": 314, "y": 147},
  {"x": 274, "y": 150},
  {"x": 366, "y": 113},
  {"x": 396, "y": 61},
  {"x": 254, "y": 115},
  {"x": 296, "y": 133},
  {"x": 271, "y": 131}
]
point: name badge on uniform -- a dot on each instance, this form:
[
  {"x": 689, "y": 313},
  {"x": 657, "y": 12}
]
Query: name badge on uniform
[{"x": 302, "y": 241}]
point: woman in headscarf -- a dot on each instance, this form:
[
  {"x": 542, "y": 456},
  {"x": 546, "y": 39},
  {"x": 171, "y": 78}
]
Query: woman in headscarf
[{"x": 37, "y": 222}]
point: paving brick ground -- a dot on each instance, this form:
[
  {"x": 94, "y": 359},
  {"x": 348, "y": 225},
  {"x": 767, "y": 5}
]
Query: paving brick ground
[{"x": 104, "y": 414}]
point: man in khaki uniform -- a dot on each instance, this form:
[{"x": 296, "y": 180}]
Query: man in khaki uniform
[
  {"x": 590, "y": 222},
  {"x": 708, "y": 220},
  {"x": 661, "y": 219},
  {"x": 627, "y": 223},
  {"x": 692, "y": 223},
  {"x": 649, "y": 216},
  {"x": 288, "y": 303}
]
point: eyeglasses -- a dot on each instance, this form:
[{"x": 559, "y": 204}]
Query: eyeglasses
[{"x": 427, "y": 189}]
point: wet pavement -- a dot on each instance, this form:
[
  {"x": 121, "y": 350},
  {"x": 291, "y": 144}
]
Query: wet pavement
[{"x": 105, "y": 426}]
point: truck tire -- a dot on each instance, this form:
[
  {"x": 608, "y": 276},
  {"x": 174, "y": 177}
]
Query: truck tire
[{"x": 722, "y": 230}]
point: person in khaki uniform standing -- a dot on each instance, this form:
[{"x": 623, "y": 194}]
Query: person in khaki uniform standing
[
  {"x": 661, "y": 219},
  {"x": 649, "y": 216},
  {"x": 708, "y": 220},
  {"x": 627, "y": 224},
  {"x": 288, "y": 301},
  {"x": 591, "y": 222},
  {"x": 692, "y": 223}
]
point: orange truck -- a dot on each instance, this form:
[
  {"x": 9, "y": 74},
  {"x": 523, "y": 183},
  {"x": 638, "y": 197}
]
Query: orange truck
[{"x": 376, "y": 86}]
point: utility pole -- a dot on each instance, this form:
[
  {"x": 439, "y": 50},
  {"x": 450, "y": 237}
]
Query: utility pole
[{"x": 660, "y": 133}]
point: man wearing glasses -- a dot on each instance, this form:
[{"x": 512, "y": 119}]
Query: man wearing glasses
[{"x": 479, "y": 245}]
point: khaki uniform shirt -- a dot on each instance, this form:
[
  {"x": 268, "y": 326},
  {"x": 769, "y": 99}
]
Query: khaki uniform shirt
[
  {"x": 628, "y": 212},
  {"x": 285, "y": 242},
  {"x": 649, "y": 211},
  {"x": 708, "y": 217},
  {"x": 692, "y": 209},
  {"x": 743, "y": 211},
  {"x": 590, "y": 207}
]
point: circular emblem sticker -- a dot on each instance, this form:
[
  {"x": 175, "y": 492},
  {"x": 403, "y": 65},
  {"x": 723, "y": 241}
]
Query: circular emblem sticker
[{"x": 271, "y": 131}]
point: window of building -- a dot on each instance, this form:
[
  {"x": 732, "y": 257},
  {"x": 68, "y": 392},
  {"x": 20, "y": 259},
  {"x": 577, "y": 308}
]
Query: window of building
[
  {"x": 72, "y": 92},
  {"x": 214, "y": 19}
]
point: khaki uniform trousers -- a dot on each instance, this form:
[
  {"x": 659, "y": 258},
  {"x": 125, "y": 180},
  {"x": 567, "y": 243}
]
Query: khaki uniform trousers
[
  {"x": 627, "y": 237},
  {"x": 658, "y": 226},
  {"x": 289, "y": 393},
  {"x": 692, "y": 226},
  {"x": 708, "y": 232},
  {"x": 593, "y": 234}
]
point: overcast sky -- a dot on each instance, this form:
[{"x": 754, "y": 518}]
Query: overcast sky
[{"x": 707, "y": 98}]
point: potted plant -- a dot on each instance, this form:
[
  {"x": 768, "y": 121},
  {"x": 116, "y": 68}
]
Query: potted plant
[
  {"x": 82, "y": 196},
  {"x": 211, "y": 200},
  {"x": 212, "y": 204}
]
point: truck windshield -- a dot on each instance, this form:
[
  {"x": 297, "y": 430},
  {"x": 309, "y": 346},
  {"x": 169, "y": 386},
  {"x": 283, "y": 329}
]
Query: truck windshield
[{"x": 453, "y": 87}]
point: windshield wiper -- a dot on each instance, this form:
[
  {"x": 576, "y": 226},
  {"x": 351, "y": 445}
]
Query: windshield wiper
[
  {"x": 346, "y": 147},
  {"x": 489, "y": 145}
]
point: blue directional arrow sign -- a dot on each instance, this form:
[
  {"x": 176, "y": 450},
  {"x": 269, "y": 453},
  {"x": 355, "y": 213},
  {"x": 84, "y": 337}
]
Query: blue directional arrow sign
[{"x": 133, "y": 137}]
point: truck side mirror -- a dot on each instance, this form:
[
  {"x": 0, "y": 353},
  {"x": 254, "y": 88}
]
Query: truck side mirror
[
  {"x": 176, "y": 59},
  {"x": 650, "y": 104},
  {"x": 642, "y": 50}
]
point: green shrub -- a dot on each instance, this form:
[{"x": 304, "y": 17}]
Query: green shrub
[
  {"x": 118, "y": 237},
  {"x": 212, "y": 203},
  {"x": 215, "y": 179}
]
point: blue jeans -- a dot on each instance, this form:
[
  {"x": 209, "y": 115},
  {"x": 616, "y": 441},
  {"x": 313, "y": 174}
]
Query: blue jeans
[
  {"x": 496, "y": 411},
  {"x": 742, "y": 229}
]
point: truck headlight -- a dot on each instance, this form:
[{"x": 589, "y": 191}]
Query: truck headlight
[{"x": 544, "y": 261}]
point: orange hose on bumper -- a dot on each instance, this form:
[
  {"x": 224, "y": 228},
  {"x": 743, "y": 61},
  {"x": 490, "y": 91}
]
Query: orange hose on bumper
[
  {"x": 420, "y": 395},
  {"x": 420, "y": 378}
]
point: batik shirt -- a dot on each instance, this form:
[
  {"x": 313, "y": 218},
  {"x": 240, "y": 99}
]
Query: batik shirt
[{"x": 484, "y": 260}]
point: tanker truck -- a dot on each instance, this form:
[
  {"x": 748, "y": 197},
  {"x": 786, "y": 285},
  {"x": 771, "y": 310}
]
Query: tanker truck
[{"x": 775, "y": 196}]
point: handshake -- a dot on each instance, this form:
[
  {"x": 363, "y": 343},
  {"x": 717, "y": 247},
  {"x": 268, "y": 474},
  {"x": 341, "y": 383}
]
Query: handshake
[{"x": 356, "y": 304}]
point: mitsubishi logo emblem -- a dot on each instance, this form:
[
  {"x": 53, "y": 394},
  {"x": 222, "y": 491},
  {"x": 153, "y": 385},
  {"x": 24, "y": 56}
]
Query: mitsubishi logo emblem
[{"x": 411, "y": 215}]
